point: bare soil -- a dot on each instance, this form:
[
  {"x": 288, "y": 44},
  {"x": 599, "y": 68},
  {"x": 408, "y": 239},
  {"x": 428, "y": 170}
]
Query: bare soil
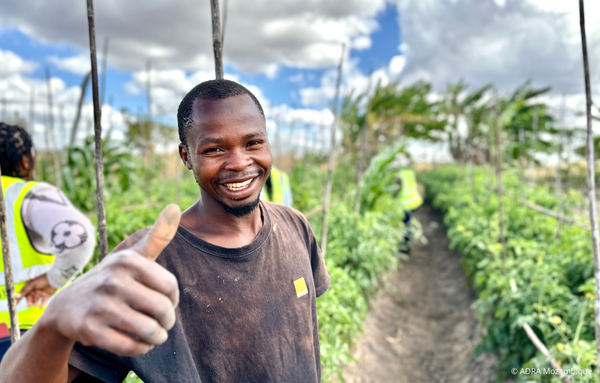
[{"x": 423, "y": 328}]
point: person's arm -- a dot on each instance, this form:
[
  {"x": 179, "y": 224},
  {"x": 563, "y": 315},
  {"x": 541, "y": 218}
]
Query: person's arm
[
  {"x": 125, "y": 305},
  {"x": 57, "y": 227}
]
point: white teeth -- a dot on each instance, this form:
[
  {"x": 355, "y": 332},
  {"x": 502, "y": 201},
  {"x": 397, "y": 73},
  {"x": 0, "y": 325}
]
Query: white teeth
[{"x": 239, "y": 185}]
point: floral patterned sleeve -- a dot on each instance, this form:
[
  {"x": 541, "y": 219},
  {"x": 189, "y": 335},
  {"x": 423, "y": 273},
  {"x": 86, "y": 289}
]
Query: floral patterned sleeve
[{"x": 56, "y": 227}]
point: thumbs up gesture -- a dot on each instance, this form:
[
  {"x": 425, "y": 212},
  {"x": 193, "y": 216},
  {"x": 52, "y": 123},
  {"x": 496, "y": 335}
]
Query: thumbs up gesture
[{"x": 125, "y": 304}]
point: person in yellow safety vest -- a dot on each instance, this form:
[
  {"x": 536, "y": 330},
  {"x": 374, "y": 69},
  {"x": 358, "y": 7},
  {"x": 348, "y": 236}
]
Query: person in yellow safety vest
[
  {"x": 408, "y": 192},
  {"x": 50, "y": 241},
  {"x": 277, "y": 188}
]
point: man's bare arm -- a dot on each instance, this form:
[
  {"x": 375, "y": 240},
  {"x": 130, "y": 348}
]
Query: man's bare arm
[{"x": 125, "y": 305}]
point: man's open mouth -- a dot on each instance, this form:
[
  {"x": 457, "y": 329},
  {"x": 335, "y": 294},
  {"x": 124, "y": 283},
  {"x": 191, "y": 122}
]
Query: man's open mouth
[{"x": 237, "y": 186}]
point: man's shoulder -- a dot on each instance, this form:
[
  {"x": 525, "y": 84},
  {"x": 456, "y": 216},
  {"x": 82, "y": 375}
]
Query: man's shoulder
[{"x": 284, "y": 211}]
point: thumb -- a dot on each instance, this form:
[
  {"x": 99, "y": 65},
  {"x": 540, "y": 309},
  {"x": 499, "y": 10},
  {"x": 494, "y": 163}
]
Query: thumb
[{"x": 160, "y": 234}]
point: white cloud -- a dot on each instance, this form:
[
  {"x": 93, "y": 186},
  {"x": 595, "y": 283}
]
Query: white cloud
[
  {"x": 13, "y": 64},
  {"x": 33, "y": 112},
  {"x": 261, "y": 35},
  {"x": 397, "y": 64},
  {"x": 361, "y": 43},
  {"x": 506, "y": 42},
  {"x": 79, "y": 64}
]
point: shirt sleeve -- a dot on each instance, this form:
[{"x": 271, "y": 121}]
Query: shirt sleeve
[
  {"x": 96, "y": 364},
  {"x": 58, "y": 228}
]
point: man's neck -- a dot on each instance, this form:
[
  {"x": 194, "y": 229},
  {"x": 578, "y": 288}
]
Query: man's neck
[{"x": 208, "y": 220}]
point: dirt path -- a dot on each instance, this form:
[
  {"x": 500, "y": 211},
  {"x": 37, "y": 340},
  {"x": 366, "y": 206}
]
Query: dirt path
[{"x": 423, "y": 329}]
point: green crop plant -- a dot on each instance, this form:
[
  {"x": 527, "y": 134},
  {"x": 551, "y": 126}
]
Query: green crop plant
[{"x": 545, "y": 282}]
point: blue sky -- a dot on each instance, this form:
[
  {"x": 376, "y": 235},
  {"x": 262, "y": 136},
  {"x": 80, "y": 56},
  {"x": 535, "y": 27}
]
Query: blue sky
[
  {"x": 287, "y": 51},
  {"x": 282, "y": 89}
]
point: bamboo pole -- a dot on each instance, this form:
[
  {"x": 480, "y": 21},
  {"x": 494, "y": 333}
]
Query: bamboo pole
[
  {"x": 498, "y": 127},
  {"x": 15, "y": 332},
  {"x": 362, "y": 148},
  {"x": 470, "y": 154},
  {"x": 327, "y": 199},
  {"x": 534, "y": 128},
  {"x": 31, "y": 122},
  {"x": 84, "y": 83},
  {"x": 590, "y": 177},
  {"x": 521, "y": 160},
  {"x": 50, "y": 127},
  {"x": 217, "y": 38},
  {"x": 97, "y": 134},
  {"x": 558, "y": 180},
  {"x": 540, "y": 346}
]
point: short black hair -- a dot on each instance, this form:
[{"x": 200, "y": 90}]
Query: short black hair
[
  {"x": 219, "y": 89},
  {"x": 15, "y": 143}
]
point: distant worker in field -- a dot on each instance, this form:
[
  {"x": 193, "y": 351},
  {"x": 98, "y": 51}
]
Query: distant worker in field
[
  {"x": 408, "y": 192},
  {"x": 277, "y": 188},
  {"x": 50, "y": 240},
  {"x": 223, "y": 292}
]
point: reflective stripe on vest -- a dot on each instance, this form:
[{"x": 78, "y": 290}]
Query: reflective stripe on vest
[
  {"x": 27, "y": 263},
  {"x": 409, "y": 194},
  {"x": 276, "y": 188}
]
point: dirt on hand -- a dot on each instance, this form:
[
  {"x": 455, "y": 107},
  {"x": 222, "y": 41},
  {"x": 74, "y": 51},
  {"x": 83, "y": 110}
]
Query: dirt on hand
[{"x": 423, "y": 328}]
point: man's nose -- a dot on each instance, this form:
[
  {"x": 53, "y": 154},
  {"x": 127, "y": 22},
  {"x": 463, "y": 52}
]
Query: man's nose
[{"x": 238, "y": 160}]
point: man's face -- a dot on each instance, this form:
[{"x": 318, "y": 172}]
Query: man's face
[{"x": 228, "y": 150}]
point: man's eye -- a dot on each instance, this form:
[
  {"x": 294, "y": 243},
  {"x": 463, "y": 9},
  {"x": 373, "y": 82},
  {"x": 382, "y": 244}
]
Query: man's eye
[
  {"x": 213, "y": 150},
  {"x": 252, "y": 143}
]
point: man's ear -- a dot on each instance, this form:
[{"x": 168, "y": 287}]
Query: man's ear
[{"x": 183, "y": 153}]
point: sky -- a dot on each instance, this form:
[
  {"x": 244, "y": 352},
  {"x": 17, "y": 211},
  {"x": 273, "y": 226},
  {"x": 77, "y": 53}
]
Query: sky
[{"x": 286, "y": 52}]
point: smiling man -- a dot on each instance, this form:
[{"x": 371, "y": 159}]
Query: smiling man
[{"x": 234, "y": 285}]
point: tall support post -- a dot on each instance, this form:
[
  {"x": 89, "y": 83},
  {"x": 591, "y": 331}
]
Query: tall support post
[
  {"x": 498, "y": 126},
  {"x": 534, "y": 128},
  {"x": 97, "y": 134},
  {"x": 591, "y": 183},
  {"x": 362, "y": 148},
  {"x": 86, "y": 80},
  {"x": 521, "y": 161},
  {"x": 217, "y": 38},
  {"x": 31, "y": 121},
  {"x": 470, "y": 154},
  {"x": 558, "y": 181},
  {"x": 50, "y": 127},
  {"x": 327, "y": 199},
  {"x": 15, "y": 332}
]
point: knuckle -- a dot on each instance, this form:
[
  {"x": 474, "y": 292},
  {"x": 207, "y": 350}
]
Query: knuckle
[{"x": 109, "y": 284}]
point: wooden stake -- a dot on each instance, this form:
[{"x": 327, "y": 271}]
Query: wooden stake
[
  {"x": 84, "y": 84},
  {"x": 591, "y": 182},
  {"x": 534, "y": 128},
  {"x": 498, "y": 127},
  {"x": 217, "y": 38},
  {"x": 15, "y": 332},
  {"x": 362, "y": 148},
  {"x": 558, "y": 180},
  {"x": 97, "y": 135},
  {"x": 31, "y": 122},
  {"x": 50, "y": 127},
  {"x": 540, "y": 346},
  {"x": 327, "y": 199}
]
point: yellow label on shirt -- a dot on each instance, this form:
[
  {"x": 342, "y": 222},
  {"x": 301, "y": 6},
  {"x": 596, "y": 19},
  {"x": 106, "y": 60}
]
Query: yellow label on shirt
[{"x": 301, "y": 289}]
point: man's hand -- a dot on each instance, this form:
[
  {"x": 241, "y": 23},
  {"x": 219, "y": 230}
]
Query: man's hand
[
  {"x": 126, "y": 304},
  {"x": 37, "y": 291}
]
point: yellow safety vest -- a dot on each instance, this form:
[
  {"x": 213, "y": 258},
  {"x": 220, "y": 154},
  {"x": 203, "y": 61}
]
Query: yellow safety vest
[
  {"x": 409, "y": 194},
  {"x": 280, "y": 184},
  {"x": 27, "y": 262}
]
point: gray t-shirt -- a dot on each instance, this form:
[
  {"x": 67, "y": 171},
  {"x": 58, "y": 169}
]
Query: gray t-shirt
[{"x": 244, "y": 314}]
